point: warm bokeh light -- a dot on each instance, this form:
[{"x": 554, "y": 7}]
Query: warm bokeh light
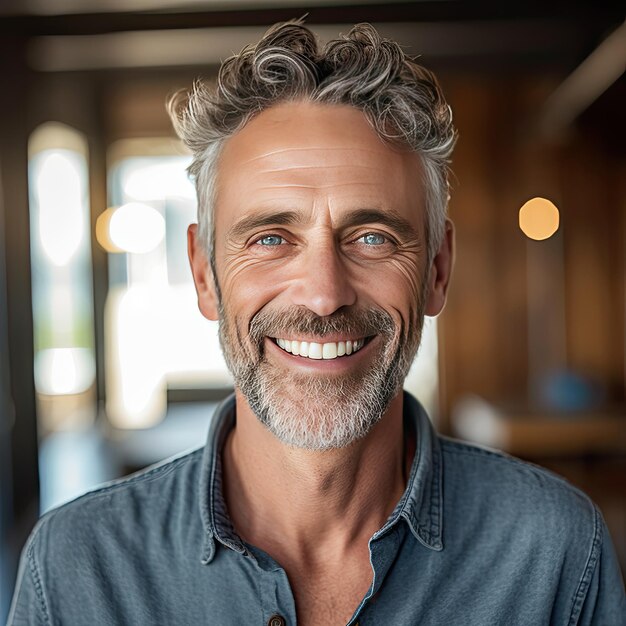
[
  {"x": 539, "y": 219},
  {"x": 136, "y": 227},
  {"x": 102, "y": 231}
]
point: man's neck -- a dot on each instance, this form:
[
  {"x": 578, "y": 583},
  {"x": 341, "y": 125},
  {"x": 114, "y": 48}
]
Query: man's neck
[{"x": 302, "y": 506}]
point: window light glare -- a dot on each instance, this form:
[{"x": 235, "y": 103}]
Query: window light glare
[
  {"x": 156, "y": 182},
  {"x": 64, "y": 371},
  {"x": 59, "y": 195},
  {"x": 137, "y": 228},
  {"x": 135, "y": 358},
  {"x": 539, "y": 219}
]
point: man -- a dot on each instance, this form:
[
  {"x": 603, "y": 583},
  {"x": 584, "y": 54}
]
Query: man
[{"x": 323, "y": 496}]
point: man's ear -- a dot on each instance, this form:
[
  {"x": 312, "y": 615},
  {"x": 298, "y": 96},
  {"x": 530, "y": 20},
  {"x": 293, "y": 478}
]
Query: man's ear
[
  {"x": 439, "y": 273},
  {"x": 202, "y": 275}
]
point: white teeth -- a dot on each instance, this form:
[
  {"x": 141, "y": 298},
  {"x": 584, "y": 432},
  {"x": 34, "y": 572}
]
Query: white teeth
[
  {"x": 329, "y": 351},
  {"x": 313, "y": 350}
]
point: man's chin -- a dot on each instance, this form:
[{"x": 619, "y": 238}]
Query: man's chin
[
  {"x": 318, "y": 413},
  {"x": 318, "y": 408}
]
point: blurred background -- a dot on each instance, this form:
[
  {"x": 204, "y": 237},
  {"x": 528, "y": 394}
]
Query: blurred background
[{"x": 106, "y": 365}]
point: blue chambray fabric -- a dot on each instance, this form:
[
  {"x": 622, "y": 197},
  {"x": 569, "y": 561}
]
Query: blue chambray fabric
[{"x": 478, "y": 538}]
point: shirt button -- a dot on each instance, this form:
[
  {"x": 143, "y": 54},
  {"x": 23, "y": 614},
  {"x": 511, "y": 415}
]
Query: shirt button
[{"x": 277, "y": 620}]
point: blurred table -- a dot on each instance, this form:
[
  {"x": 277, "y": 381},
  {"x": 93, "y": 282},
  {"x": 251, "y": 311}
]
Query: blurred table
[{"x": 528, "y": 434}]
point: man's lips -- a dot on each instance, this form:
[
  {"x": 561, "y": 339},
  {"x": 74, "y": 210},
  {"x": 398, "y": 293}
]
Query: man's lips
[{"x": 315, "y": 350}]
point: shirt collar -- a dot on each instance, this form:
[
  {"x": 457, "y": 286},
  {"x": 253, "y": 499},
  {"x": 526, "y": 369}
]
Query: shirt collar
[
  {"x": 421, "y": 504},
  {"x": 215, "y": 520}
]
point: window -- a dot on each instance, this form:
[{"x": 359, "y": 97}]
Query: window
[
  {"x": 156, "y": 339},
  {"x": 61, "y": 270}
]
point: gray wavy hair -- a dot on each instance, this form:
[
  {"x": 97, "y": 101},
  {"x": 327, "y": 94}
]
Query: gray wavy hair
[{"x": 401, "y": 99}]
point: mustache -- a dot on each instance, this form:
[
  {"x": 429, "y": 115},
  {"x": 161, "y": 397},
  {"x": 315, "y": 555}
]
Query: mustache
[{"x": 300, "y": 320}]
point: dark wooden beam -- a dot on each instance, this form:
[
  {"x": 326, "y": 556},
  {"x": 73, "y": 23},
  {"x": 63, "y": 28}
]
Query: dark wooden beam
[
  {"x": 7, "y": 561},
  {"x": 18, "y": 419},
  {"x": 14, "y": 161},
  {"x": 423, "y": 11}
]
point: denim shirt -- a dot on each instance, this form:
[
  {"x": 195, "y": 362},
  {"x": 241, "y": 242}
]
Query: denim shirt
[{"x": 477, "y": 538}]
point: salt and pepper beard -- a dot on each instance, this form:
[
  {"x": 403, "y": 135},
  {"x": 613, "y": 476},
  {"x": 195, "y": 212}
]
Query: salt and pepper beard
[{"x": 316, "y": 411}]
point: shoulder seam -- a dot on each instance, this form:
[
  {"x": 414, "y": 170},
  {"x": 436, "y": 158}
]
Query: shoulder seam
[
  {"x": 458, "y": 447},
  {"x": 161, "y": 469},
  {"x": 461, "y": 447},
  {"x": 38, "y": 583},
  {"x": 590, "y": 566},
  {"x": 455, "y": 447}
]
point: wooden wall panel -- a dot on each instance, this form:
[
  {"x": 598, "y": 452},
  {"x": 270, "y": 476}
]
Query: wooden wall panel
[
  {"x": 520, "y": 310},
  {"x": 592, "y": 242},
  {"x": 468, "y": 342}
]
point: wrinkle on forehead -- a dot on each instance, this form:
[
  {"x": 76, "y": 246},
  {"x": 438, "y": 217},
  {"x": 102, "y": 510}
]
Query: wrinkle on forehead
[
  {"x": 308, "y": 151},
  {"x": 334, "y": 185},
  {"x": 314, "y": 167}
]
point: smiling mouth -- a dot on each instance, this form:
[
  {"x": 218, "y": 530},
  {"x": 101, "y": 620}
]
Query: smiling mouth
[{"x": 318, "y": 351}]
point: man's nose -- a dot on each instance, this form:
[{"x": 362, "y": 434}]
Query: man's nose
[{"x": 323, "y": 284}]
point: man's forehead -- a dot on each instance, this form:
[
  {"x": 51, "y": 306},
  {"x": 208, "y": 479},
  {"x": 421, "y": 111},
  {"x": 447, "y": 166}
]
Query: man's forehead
[
  {"x": 307, "y": 133},
  {"x": 319, "y": 161}
]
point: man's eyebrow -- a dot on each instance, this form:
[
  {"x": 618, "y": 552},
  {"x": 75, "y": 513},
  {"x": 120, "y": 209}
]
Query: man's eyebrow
[
  {"x": 358, "y": 217},
  {"x": 251, "y": 222},
  {"x": 386, "y": 217}
]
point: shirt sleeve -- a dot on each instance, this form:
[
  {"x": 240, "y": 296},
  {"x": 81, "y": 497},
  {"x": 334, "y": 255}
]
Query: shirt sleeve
[
  {"x": 29, "y": 606},
  {"x": 605, "y": 600}
]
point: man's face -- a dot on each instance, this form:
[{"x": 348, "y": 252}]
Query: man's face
[{"x": 320, "y": 256}]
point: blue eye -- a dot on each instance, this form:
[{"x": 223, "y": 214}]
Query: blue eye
[
  {"x": 374, "y": 239},
  {"x": 270, "y": 240}
]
